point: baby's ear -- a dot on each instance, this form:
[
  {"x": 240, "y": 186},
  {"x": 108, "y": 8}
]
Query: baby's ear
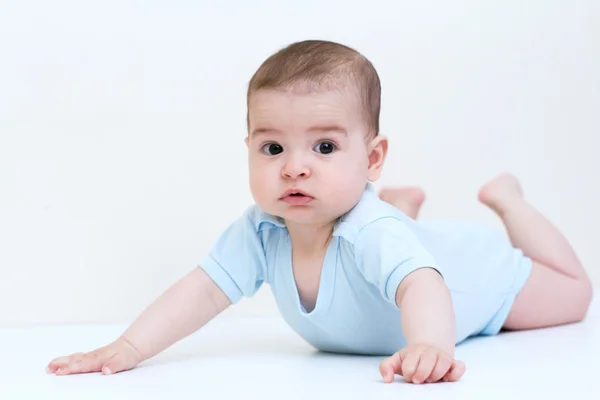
[
  {"x": 246, "y": 141},
  {"x": 378, "y": 148}
]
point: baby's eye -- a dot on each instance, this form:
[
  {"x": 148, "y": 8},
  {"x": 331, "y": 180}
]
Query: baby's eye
[
  {"x": 325, "y": 148},
  {"x": 272, "y": 149}
]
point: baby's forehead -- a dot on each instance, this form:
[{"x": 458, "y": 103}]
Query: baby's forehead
[
  {"x": 304, "y": 105},
  {"x": 307, "y": 103},
  {"x": 305, "y": 113},
  {"x": 306, "y": 94}
]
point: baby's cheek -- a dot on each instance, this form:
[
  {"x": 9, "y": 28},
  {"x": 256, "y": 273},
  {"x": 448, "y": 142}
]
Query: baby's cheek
[
  {"x": 350, "y": 179},
  {"x": 346, "y": 189},
  {"x": 259, "y": 187}
]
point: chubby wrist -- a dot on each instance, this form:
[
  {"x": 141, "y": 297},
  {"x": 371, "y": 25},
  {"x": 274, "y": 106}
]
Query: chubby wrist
[{"x": 126, "y": 342}]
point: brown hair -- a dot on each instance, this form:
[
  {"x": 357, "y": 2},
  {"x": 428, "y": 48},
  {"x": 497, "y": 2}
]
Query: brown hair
[{"x": 315, "y": 64}]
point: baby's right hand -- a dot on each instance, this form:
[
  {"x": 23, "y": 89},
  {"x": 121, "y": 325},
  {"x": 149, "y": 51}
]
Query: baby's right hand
[{"x": 115, "y": 357}]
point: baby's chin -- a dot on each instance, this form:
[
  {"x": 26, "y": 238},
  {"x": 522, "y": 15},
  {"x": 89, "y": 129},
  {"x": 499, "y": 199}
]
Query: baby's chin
[{"x": 311, "y": 216}]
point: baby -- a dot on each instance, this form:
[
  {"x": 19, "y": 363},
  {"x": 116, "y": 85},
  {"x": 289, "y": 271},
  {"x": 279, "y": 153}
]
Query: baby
[{"x": 353, "y": 271}]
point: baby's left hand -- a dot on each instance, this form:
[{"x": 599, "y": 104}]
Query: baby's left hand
[{"x": 421, "y": 363}]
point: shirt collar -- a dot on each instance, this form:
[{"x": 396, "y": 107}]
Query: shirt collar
[{"x": 267, "y": 221}]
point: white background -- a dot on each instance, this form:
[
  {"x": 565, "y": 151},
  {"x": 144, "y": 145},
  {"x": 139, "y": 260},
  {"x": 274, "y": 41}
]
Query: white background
[{"x": 122, "y": 126}]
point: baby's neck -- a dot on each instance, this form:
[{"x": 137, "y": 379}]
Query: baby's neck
[{"x": 310, "y": 240}]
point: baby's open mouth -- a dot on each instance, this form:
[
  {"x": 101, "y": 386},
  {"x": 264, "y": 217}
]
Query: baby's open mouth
[{"x": 296, "y": 198}]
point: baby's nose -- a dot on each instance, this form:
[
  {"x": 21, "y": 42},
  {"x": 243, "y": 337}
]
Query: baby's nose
[{"x": 295, "y": 168}]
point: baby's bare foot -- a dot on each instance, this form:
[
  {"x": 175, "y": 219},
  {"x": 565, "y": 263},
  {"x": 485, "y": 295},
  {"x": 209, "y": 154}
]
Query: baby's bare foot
[
  {"x": 406, "y": 199},
  {"x": 501, "y": 191}
]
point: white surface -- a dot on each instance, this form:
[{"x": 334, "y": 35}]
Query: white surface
[
  {"x": 261, "y": 358},
  {"x": 122, "y": 126}
]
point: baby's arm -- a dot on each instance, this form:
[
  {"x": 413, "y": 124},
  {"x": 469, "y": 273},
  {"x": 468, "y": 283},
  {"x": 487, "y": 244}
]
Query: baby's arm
[
  {"x": 426, "y": 310},
  {"x": 429, "y": 327},
  {"x": 181, "y": 310}
]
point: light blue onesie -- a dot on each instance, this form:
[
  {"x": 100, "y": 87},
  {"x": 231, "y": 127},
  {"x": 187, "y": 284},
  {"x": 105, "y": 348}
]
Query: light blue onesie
[{"x": 374, "y": 247}]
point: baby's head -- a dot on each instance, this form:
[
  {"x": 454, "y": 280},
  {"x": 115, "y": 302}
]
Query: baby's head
[{"x": 313, "y": 127}]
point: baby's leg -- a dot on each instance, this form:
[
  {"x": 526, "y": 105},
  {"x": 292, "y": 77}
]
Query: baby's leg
[
  {"x": 406, "y": 199},
  {"x": 558, "y": 290}
]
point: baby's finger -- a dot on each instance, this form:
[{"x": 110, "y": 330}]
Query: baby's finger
[
  {"x": 63, "y": 370},
  {"x": 410, "y": 364},
  {"x": 116, "y": 363},
  {"x": 457, "y": 370},
  {"x": 441, "y": 368},
  {"x": 71, "y": 364},
  {"x": 427, "y": 362},
  {"x": 391, "y": 366},
  {"x": 90, "y": 362},
  {"x": 57, "y": 363}
]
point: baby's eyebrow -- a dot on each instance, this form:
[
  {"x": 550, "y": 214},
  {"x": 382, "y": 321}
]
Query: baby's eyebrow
[
  {"x": 314, "y": 129},
  {"x": 328, "y": 129},
  {"x": 259, "y": 131}
]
